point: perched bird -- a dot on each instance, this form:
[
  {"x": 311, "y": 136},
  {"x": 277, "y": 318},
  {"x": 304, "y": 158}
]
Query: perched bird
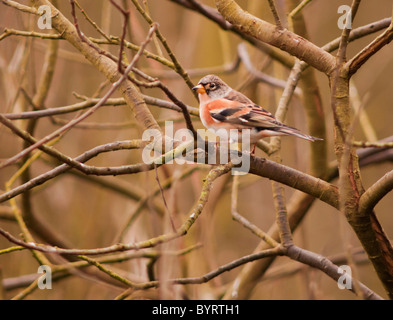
[{"x": 222, "y": 107}]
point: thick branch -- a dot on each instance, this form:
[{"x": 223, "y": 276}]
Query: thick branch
[
  {"x": 105, "y": 65},
  {"x": 313, "y": 186},
  {"x": 283, "y": 39},
  {"x": 325, "y": 265},
  {"x": 181, "y": 231},
  {"x": 377, "y": 44},
  {"x": 213, "y": 15},
  {"x": 376, "y": 192}
]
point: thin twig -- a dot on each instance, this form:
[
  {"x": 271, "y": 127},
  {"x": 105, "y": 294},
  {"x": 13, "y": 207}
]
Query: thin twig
[
  {"x": 126, "y": 15},
  {"x": 164, "y": 200},
  {"x": 69, "y": 125},
  {"x": 213, "y": 15},
  {"x": 366, "y": 144},
  {"x": 118, "y": 145},
  {"x": 245, "y": 58},
  {"x": 178, "y": 68},
  {"x": 325, "y": 265},
  {"x": 154, "y": 82},
  {"x": 237, "y": 217},
  {"x": 181, "y": 231},
  {"x": 296, "y": 10},
  {"x": 90, "y": 102},
  {"x": 20, "y": 7},
  {"x": 100, "y": 31},
  {"x": 366, "y": 53},
  {"x": 136, "y": 212},
  {"x": 275, "y": 14},
  {"x": 342, "y": 50}
]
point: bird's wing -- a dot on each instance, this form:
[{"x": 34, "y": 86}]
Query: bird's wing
[{"x": 244, "y": 115}]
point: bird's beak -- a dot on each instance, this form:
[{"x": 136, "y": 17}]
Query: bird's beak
[{"x": 199, "y": 88}]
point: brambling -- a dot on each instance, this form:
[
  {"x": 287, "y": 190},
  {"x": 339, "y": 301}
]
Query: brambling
[{"x": 222, "y": 107}]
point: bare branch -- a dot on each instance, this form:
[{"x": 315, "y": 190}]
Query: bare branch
[
  {"x": 283, "y": 39},
  {"x": 325, "y": 265},
  {"x": 377, "y": 44},
  {"x": 182, "y": 230},
  {"x": 69, "y": 125},
  {"x": 275, "y": 14},
  {"x": 19, "y": 6},
  {"x": 376, "y": 192}
]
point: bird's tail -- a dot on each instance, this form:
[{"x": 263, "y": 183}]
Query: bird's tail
[{"x": 295, "y": 132}]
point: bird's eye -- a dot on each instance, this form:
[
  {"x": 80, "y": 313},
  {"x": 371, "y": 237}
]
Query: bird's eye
[{"x": 212, "y": 86}]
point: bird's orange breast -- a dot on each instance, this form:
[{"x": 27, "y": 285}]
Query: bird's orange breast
[
  {"x": 206, "y": 118},
  {"x": 214, "y": 106}
]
